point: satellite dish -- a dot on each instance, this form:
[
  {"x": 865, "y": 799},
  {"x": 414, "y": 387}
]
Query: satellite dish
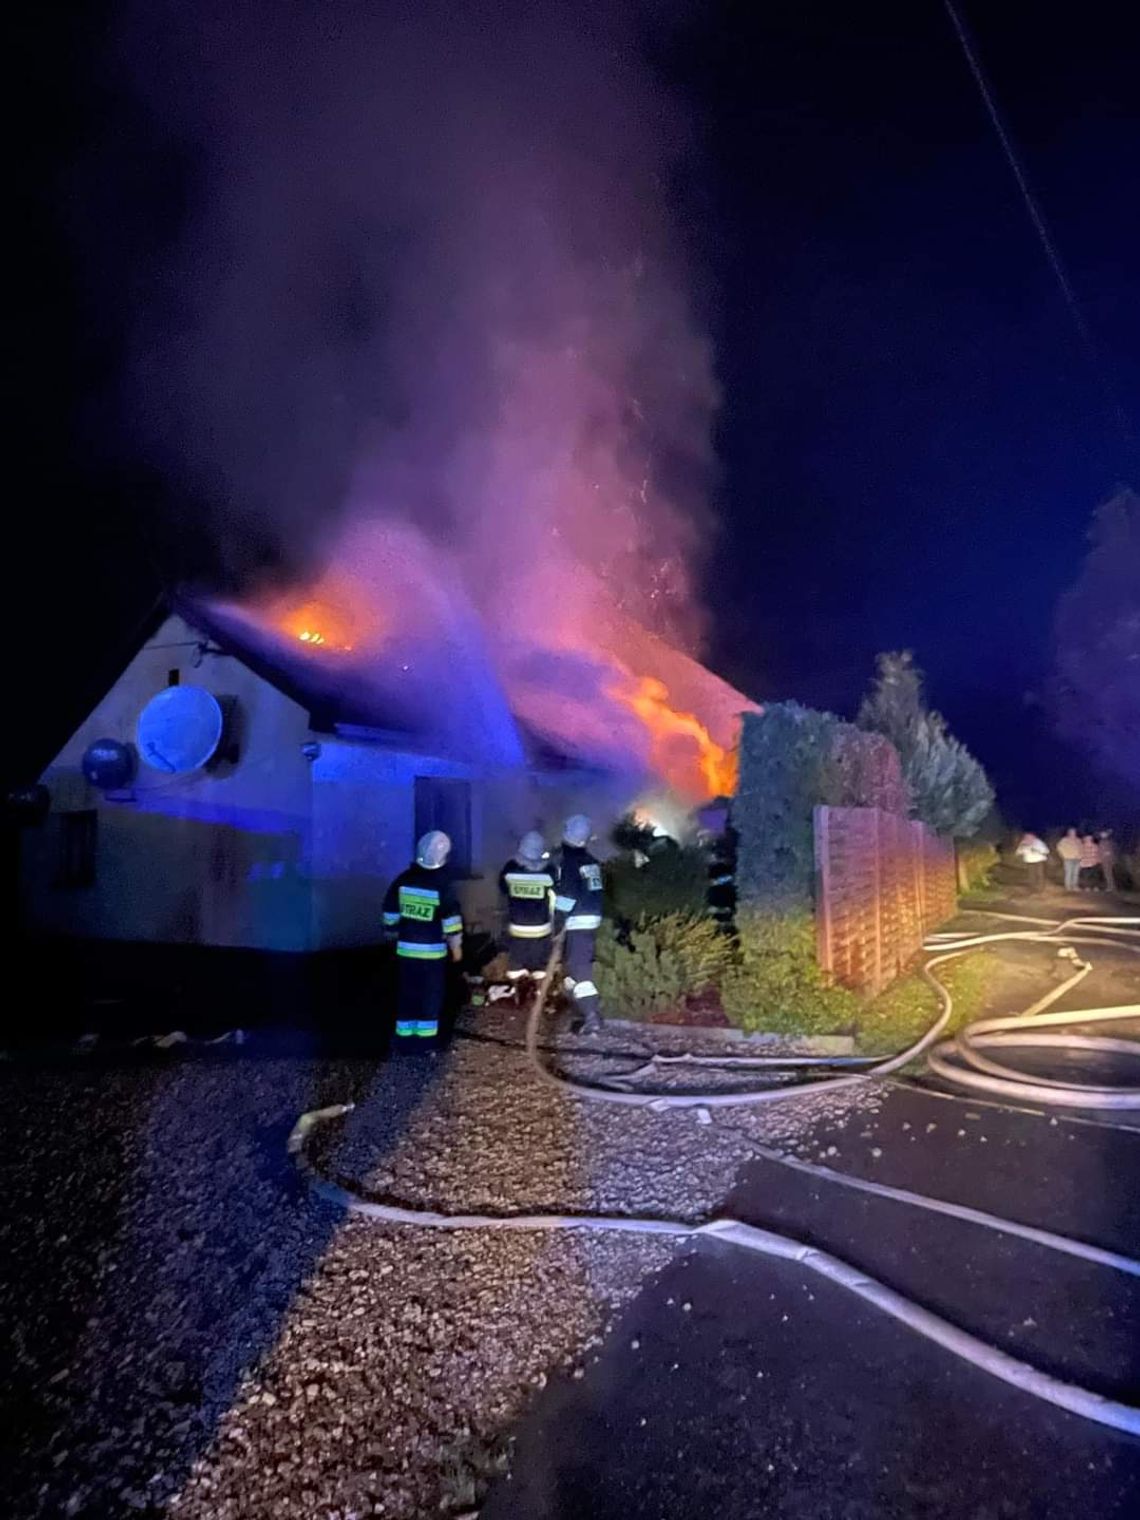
[
  {"x": 109, "y": 764},
  {"x": 180, "y": 729}
]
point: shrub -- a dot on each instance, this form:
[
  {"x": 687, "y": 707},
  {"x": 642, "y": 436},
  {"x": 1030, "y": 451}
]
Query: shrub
[
  {"x": 949, "y": 790},
  {"x": 674, "y": 880},
  {"x": 783, "y": 774},
  {"x": 791, "y": 760},
  {"x": 658, "y": 963},
  {"x": 776, "y": 984},
  {"x": 864, "y": 770},
  {"x": 977, "y": 859}
]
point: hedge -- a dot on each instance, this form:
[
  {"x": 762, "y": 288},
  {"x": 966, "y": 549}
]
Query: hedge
[{"x": 793, "y": 758}]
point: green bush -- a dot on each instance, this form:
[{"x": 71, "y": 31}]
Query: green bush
[
  {"x": 658, "y": 963},
  {"x": 793, "y": 759},
  {"x": 784, "y": 773},
  {"x": 864, "y": 770},
  {"x": 949, "y": 790},
  {"x": 776, "y": 984},
  {"x": 673, "y": 880},
  {"x": 977, "y": 859}
]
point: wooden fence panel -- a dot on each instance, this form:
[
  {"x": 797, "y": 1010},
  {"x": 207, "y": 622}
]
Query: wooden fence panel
[{"x": 882, "y": 883}]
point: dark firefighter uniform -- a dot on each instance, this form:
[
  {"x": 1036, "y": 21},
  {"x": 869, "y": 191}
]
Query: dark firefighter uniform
[
  {"x": 722, "y": 879},
  {"x": 529, "y": 891},
  {"x": 578, "y": 909},
  {"x": 422, "y": 911}
]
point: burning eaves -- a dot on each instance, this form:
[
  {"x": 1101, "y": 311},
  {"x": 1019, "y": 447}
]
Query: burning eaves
[{"x": 384, "y": 628}]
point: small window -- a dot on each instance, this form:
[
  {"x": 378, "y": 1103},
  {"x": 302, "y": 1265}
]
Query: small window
[
  {"x": 173, "y": 677},
  {"x": 77, "y": 833},
  {"x": 442, "y": 803}
]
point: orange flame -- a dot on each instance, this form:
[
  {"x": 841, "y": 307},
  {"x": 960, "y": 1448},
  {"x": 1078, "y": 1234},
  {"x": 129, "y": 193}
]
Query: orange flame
[
  {"x": 343, "y": 613},
  {"x": 683, "y": 751},
  {"x": 317, "y": 625}
]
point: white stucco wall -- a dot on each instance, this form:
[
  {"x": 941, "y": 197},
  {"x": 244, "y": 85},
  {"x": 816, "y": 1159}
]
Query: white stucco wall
[
  {"x": 363, "y": 831},
  {"x": 216, "y": 858},
  {"x": 364, "y": 828},
  {"x": 275, "y": 851}
]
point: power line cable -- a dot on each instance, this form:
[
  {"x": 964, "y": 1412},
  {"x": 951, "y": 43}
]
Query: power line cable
[{"x": 1040, "y": 226}]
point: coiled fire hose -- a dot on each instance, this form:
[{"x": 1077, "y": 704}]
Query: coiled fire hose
[{"x": 1077, "y": 1400}]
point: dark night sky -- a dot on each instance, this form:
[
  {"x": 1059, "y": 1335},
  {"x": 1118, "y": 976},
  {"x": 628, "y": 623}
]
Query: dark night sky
[{"x": 912, "y": 440}]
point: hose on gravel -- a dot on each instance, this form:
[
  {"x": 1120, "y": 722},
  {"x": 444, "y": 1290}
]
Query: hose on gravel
[
  {"x": 960, "y": 1343},
  {"x": 661, "y": 1101},
  {"x": 992, "y": 1359}
]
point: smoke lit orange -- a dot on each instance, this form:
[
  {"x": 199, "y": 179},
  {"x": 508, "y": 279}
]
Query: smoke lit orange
[
  {"x": 602, "y": 688},
  {"x": 684, "y": 753},
  {"x": 317, "y": 624}
]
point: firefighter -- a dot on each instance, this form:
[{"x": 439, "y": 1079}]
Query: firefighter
[
  {"x": 527, "y": 883},
  {"x": 578, "y": 910},
  {"x": 422, "y": 914},
  {"x": 722, "y": 879}
]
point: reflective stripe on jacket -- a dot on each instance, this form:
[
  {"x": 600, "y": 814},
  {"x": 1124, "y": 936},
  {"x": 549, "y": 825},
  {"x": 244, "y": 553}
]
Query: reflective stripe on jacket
[
  {"x": 422, "y": 909},
  {"x": 414, "y": 952},
  {"x": 529, "y": 891},
  {"x": 578, "y": 887}
]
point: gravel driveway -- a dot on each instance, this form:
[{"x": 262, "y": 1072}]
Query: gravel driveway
[{"x": 191, "y": 1333}]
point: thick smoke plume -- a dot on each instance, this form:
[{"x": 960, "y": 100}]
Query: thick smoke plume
[{"x": 428, "y": 307}]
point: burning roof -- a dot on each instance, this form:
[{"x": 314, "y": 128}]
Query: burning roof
[
  {"x": 629, "y": 699},
  {"x": 390, "y": 637}
]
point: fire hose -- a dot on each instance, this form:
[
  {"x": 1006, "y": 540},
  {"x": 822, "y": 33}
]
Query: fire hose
[
  {"x": 1076, "y": 1400},
  {"x": 959, "y": 1060}
]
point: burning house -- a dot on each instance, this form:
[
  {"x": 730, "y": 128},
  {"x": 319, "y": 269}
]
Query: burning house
[
  {"x": 438, "y": 350},
  {"x": 256, "y": 774}
]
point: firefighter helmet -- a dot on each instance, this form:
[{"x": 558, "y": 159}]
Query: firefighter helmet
[
  {"x": 577, "y": 830},
  {"x": 433, "y": 849},
  {"x": 532, "y": 848}
]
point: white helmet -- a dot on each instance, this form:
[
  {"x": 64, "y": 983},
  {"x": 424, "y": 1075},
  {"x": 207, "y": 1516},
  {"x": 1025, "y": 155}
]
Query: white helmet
[
  {"x": 532, "y": 848},
  {"x": 577, "y": 830},
  {"x": 433, "y": 849}
]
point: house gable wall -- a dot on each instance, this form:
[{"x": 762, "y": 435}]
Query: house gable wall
[
  {"x": 219, "y": 857},
  {"x": 274, "y": 850}
]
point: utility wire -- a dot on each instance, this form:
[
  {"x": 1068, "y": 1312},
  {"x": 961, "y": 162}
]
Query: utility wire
[{"x": 1040, "y": 226}]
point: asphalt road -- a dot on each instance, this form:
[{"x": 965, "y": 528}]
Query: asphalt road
[{"x": 737, "y": 1386}]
